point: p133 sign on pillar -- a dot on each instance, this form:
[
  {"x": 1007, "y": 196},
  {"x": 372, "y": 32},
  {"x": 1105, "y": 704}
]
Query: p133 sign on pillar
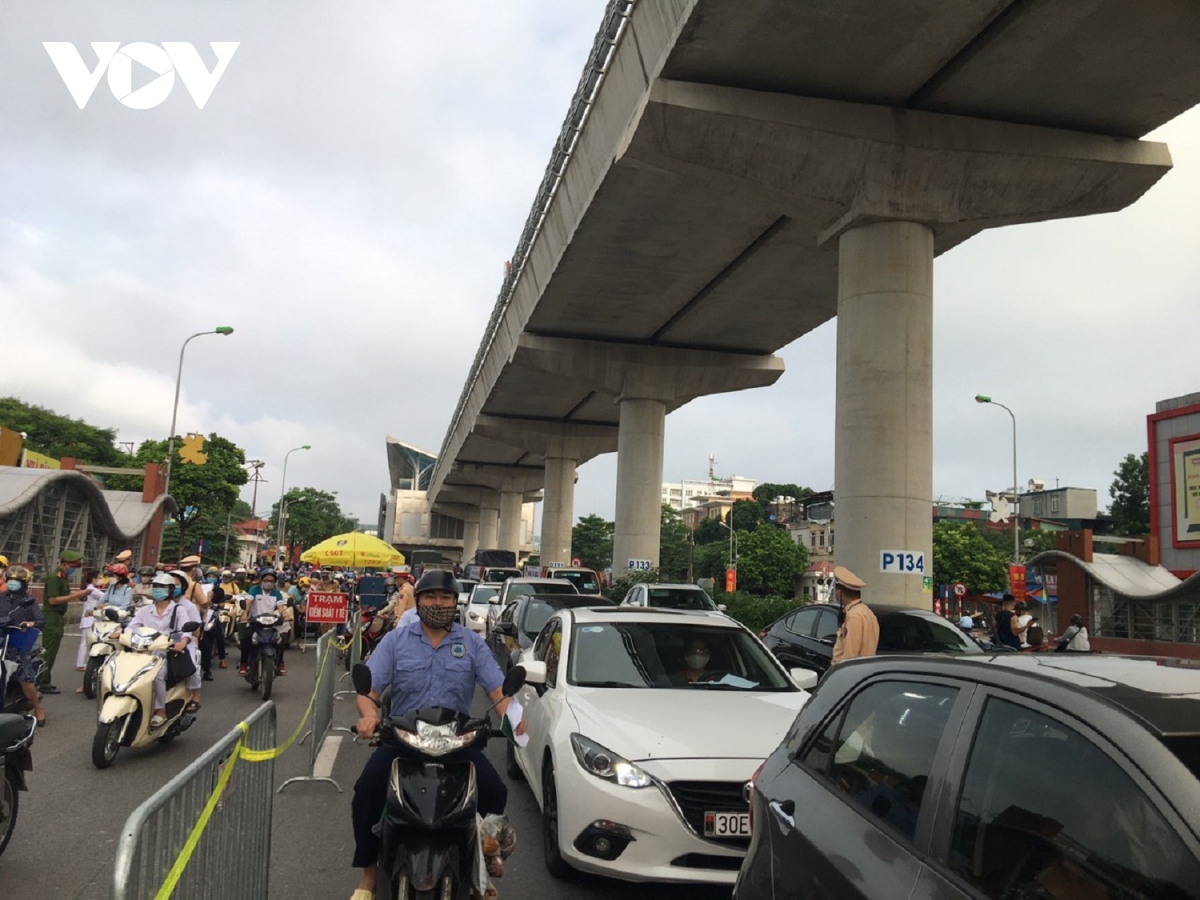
[{"x": 163, "y": 61}]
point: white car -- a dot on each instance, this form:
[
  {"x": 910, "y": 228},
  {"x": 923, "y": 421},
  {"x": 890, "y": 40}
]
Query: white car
[
  {"x": 639, "y": 749},
  {"x": 475, "y": 612}
]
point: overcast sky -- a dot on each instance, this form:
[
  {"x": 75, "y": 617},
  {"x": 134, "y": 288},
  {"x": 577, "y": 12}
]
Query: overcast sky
[{"x": 346, "y": 201}]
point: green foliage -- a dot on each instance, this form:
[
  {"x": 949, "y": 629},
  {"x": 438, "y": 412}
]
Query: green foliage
[
  {"x": 768, "y": 492},
  {"x": 209, "y": 490},
  {"x": 711, "y": 561},
  {"x": 1040, "y": 539},
  {"x": 755, "y": 612},
  {"x": 674, "y": 545},
  {"x": 710, "y": 531},
  {"x": 769, "y": 561},
  {"x": 619, "y": 587},
  {"x": 1131, "y": 495},
  {"x": 962, "y": 553},
  {"x": 591, "y": 541},
  {"x": 745, "y": 515},
  {"x": 60, "y": 436},
  {"x": 311, "y": 520}
]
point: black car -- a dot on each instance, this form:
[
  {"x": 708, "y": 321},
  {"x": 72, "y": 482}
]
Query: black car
[
  {"x": 994, "y": 776},
  {"x": 522, "y": 619},
  {"x": 804, "y": 637}
]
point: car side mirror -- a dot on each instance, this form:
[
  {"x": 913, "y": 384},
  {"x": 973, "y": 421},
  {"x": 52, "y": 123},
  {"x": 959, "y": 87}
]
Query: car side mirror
[
  {"x": 361, "y": 676},
  {"x": 506, "y": 628},
  {"x": 805, "y": 679},
  {"x": 514, "y": 680},
  {"x": 721, "y": 607},
  {"x": 535, "y": 672}
]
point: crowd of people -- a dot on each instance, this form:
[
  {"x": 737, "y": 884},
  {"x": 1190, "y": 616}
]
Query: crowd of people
[
  {"x": 1015, "y": 626},
  {"x": 165, "y": 597}
]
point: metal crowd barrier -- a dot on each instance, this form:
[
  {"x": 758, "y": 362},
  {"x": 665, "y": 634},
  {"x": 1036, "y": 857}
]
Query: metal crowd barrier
[
  {"x": 322, "y": 709},
  {"x": 232, "y": 857}
]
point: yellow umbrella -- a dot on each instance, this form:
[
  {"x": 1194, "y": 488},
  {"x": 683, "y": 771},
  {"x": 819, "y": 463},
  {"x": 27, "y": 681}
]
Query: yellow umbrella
[{"x": 354, "y": 550}]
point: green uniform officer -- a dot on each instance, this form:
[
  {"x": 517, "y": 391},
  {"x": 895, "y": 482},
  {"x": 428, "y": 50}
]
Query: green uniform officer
[{"x": 56, "y": 595}]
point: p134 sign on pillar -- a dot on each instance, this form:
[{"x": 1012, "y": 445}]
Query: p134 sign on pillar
[{"x": 118, "y": 61}]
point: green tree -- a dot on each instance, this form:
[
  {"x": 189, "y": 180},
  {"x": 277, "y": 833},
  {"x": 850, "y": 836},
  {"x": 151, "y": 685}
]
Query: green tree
[
  {"x": 208, "y": 490},
  {"x": 710, "y": 531},
  {"x": 674, "y": 545},
  {"x": 312, "y": 519},
  {"x": 783, "y": 501},
  {"x": 1131, "y": 495},
  {"x": 711, "y": 561},
  {"x": 1031, "y": 540},
  {"x": 962, "y": 553},
  {"x": 60, "y": 436},
  {"x": 591, "y": 541},
  {"x": 620, "y": 586},
  {"x": 745, "y": 515},
  {"x": 769, "y": 561}
]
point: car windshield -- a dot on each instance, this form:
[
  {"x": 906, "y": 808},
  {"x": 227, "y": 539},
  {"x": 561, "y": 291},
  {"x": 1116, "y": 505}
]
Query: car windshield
[
  {"x": 907, "y": 633},
  {"x": 483, "y": 595},
  {"x": 585, "y": 582},
  {"x": 679, "y": 598},
  {"x": 674, "y": 655},
  {"x": 547, "y": 587}
]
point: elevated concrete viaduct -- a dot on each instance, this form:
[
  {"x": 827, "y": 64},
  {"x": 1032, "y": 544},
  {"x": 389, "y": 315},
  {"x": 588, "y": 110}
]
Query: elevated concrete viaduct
[{"x": 733, "y": 174}]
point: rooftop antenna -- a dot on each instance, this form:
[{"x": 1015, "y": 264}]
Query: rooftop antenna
[{"x": 711, "y": 476}]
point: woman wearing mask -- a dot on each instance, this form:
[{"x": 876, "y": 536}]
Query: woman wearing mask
[
  {"x": 17, "y": 604},
  {"x": 119, "y": 591},
  {"x": 189, "y": 612},
  {"x": 93, "y": 582},
  {"x": 165, "y": 616}
]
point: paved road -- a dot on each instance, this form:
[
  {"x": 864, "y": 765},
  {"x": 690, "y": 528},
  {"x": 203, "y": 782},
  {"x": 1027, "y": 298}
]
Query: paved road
[{"x": 71, "y": 817}]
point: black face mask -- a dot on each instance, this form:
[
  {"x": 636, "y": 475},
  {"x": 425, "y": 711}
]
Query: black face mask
[{"x": 437, "y": 616}]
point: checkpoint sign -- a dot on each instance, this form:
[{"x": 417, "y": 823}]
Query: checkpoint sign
[{"x": 327, "y": 608}]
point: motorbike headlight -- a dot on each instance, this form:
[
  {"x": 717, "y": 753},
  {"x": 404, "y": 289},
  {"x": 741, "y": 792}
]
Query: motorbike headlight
[
  {"x": 603, "y": 763},
  {"x": 436, "y": 740},
  {"x": 122, "y": 688},
  {"x": 140, "y": 641}
]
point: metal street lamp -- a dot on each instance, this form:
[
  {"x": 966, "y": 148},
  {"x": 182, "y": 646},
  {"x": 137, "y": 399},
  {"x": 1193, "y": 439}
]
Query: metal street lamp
[
  {"x": 282, "y": 491},
  {"x": 983, "y": 398},
  {"x": 220, "y": 329},
  {"x": 284, "y": 507},
  {"x": 732, "y": 557}
]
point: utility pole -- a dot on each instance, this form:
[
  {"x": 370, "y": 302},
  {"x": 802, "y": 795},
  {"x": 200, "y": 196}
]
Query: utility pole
[{"x": 257, "y": 478}]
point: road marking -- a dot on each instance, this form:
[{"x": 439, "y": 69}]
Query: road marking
[{"x": 323, "y": 767}]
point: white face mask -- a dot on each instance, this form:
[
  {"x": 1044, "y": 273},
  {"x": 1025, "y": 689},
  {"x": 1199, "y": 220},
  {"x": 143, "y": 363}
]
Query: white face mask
[{"x": 696, "y": 660}]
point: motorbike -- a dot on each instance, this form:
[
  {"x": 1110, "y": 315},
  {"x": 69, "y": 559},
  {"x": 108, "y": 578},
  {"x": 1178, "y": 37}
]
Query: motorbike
[
  {"x": 428, "y": 838},
  {"x": 16, "y": 737},
  {"x": 101, "y": 644},
  {"x": 10, "y": 689},
  {"x": 126, "y": 694},
  {"x": 264, "y": 652}
]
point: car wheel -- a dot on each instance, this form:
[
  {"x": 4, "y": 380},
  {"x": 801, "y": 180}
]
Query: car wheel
[
  {"x": 555, "y": 864},
  {"x": 510, "y": 762}
]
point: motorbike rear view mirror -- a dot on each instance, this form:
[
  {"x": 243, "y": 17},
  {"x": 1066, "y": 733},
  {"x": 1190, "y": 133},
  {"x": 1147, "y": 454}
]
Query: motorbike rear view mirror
[
  {"x": 191, "y": 626},
  {"x": 112, "y": 614},
  {"x": 361, "y": 676},
  {"x": 514, "y": 680}
]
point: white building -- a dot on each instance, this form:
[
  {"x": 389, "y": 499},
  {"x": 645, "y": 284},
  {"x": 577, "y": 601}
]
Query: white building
[{"x": 681, "y": 495}]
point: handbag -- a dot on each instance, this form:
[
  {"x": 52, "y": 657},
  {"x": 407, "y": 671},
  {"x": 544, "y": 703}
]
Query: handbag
[
  {"x": 1063, "y": 642},
  {"x": 179, "y": 663}
]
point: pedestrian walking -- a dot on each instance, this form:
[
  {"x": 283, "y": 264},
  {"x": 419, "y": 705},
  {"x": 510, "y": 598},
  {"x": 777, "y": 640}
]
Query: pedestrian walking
[
  {"x": 858, "y": 631},
  {"x": 56, "y": 594}
]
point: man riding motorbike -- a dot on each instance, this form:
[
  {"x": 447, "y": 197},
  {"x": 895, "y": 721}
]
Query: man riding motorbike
[
  {"x": 19, "y": 606},
  {"x": 428, "y": 661},
  {"x": 261, "y": 599}
]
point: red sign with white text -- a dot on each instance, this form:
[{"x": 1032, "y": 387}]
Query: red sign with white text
[
  {"x": 326, "y": 608},
  {"x": 1016, "y": 578}
]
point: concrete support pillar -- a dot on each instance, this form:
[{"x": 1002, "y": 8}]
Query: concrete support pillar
[
  {"x": 883, "y": 459},
  {"x": 639, "y": 482},
  {"x": 470, "y": 540},
  {"x": 509, "y": 536},
  {"x": 489, "y": 519},
  {"x": 558, "y": 511}
]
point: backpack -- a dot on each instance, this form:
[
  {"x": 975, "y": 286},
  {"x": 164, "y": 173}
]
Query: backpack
[{"x": 1035, "y": 635}]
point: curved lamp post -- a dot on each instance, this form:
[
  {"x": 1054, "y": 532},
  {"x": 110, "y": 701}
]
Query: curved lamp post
[
  {"x": 220, "y": 329},
  {"x": 282, "y": 491},
  {"x": 984, "y": 398}
]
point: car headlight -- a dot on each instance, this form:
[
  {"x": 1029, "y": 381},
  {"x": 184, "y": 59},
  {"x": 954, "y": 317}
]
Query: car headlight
[
  {"x": 436, "y": 740},
  {"x": 603, "y": 763}
]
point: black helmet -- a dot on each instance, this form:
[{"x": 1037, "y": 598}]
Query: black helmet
[
  {"x": 146, "y": 571},
  {"x": 438, "y": 580}
]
